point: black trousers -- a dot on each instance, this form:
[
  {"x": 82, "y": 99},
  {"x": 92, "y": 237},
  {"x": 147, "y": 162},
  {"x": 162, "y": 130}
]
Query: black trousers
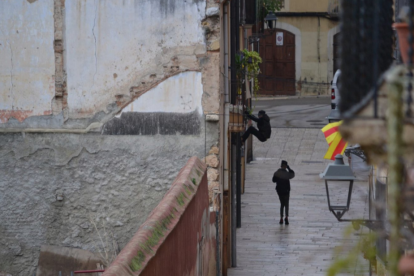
[
  {"x": 255, "y": 132},
  {"x": 284, "y": 204}
]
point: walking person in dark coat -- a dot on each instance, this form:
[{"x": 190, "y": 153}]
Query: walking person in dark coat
[
  {"x": 282, "y": 179},
  {"x": 263, "y": 124}
]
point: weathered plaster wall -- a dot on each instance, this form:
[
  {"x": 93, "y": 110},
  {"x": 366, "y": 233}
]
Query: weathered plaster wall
[
  {"x": 120, "y": 59},
  {"x": 179, "y": 94},
  {"x": 114, "y": 45},
  {"x": 27, "y": 63},
  {"x": 108, "y": 54},
  {"x": 118, "y": 178}
]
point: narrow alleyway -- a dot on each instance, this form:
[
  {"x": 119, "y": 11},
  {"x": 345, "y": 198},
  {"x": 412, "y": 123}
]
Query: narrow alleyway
[{"x": 306, "y": 246}]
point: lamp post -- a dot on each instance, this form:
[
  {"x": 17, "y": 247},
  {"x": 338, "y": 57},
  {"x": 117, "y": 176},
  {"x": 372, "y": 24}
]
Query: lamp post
[
  {"x": 338, "y": 172},
  {"x": 271, "y": 20}
]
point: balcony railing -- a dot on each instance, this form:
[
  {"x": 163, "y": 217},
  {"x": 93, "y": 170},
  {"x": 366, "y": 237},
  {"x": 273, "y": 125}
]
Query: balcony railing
[
  {"x": 334, "y": 8},
  {"x": 366, "y": 45}
]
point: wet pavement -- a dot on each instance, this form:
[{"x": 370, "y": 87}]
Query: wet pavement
[
  {"x": 296, "y": 113},
  {"x": 306, "y": 246}
]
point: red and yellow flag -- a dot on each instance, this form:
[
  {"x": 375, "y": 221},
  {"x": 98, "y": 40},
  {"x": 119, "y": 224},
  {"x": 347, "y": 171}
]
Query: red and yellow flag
[{"x": 337, "y": 144}]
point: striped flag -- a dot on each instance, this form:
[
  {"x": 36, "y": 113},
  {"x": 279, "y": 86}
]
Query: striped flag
[{"x": 337, "y": 144}]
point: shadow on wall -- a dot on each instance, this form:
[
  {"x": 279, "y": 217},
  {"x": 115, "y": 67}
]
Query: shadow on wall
[{"x": 137, "y": 123}]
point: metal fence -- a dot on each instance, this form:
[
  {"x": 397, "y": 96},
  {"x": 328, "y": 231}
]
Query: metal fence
[{"x": 366, "y": 45}]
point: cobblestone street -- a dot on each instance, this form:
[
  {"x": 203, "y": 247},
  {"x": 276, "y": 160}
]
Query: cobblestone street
[{"x": 306, "y": 246}]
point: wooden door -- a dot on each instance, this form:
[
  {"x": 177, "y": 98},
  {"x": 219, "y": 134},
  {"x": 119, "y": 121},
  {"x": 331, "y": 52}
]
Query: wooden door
[
  {"x": 336, "y": 53},
  {"x": 278, "y": 70}
]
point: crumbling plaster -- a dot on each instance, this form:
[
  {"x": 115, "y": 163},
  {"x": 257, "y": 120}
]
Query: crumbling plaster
[
  {"x": 178, "y": 94},
  {"x": 115, "y": 51},
  {"x": 27, "y": 63},
  {"x": 115, "y": 45}
]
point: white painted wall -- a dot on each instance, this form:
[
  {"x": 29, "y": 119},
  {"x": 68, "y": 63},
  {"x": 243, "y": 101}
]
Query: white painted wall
[
  {"x": 112, "y": 44},
  {"x": 179, "y": 94},
  {"x": 27, "y": 67}
]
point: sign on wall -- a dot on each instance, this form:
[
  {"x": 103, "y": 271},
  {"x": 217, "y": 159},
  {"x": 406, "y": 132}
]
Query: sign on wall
[{"x": 279, "y": 38}]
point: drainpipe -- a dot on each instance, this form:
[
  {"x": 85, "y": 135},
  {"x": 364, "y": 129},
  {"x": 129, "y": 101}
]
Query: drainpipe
[
  {"x": 226, "y": 53},
  {"x": 233, "y": 51},
  {"x": 233, "y": 200},
  {"x": 238, "y": 180}
]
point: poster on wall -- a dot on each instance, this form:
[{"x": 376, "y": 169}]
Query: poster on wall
[{"x": 279, "y": 38}]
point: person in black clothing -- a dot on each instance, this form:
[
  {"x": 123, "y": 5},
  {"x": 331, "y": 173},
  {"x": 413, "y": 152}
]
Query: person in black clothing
[
  {"x": 282, "y": 179},
  {"x": 263, "y": 124}
]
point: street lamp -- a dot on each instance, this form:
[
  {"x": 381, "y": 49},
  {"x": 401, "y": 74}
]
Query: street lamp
[
  {"x": 338, "y": 172},
  {"x": 271, "y": 20}
]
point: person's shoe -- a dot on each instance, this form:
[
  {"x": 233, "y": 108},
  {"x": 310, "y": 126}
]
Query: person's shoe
[
  {"x": 286, "y": 221},
  {"x": 281, "y": 221}
]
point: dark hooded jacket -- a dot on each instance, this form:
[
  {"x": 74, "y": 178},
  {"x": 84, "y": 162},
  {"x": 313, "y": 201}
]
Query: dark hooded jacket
[
  {"x": 263, "y": 124},
  {"x": 282, "y": 179}
]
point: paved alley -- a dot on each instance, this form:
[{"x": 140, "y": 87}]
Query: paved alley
[{"x": 305, "y": 247}]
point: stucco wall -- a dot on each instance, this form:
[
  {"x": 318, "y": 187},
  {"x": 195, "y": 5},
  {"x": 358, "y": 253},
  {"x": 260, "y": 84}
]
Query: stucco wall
[
  {"x": 118, "y": 178},
  {"x": 315, "y": 72}
]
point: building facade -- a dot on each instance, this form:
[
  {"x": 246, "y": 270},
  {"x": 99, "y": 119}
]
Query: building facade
[
  {"x": 101, "y": 104},
  {"x": 304, "y": 59}
]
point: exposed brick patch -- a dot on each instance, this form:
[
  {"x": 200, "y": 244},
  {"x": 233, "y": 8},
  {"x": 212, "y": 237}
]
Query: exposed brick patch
[
  {"x": 20, "y": 115},
  {"x": 60, "y": 100}
]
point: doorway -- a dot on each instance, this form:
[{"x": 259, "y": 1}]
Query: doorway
[{"x": 277, "y": 50}]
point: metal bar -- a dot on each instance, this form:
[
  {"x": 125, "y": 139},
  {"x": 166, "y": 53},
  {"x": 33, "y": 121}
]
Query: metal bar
[
  {"x": 410, "y": 60},
  {"x": 233, "y": 203},
  {"x": 376, "y": 56},
  {"x": 226, "y": 52},
  {"x": 327, "y": 194},
  {"x": 89, "y": 271},
  {"x": 395, "y": 167},
  {"x": 237, "y": 28},
  {"x": 217, "y": 244},
  {"x": 238, "y": 188},
  {"x": 349, "y": 194},
  {"x": 233, "y": 51}
]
